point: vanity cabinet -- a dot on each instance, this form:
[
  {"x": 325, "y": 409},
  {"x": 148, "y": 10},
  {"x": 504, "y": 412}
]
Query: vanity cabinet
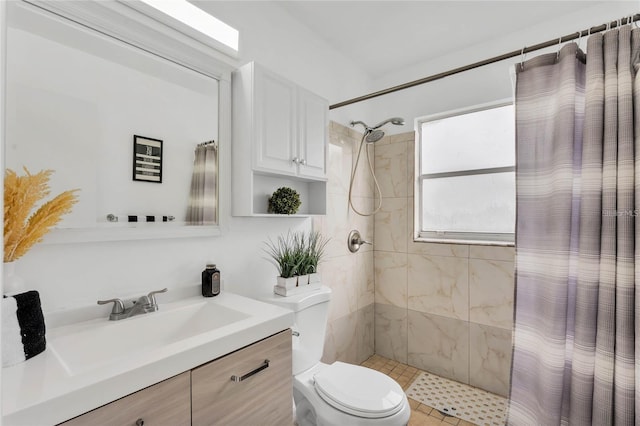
[
  {"x": 261, "y": 394},
  {"x": 279, "y": 139},
  {"x": 208, "y": 395},
  {"x": 167, "y": 402}
]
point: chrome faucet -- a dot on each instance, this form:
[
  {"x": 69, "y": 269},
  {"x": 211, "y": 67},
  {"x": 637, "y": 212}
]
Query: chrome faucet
[{"x": 143, "y": 305}]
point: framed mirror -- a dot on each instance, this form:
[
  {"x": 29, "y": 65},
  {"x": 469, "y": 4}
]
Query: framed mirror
[{"x": 81, "y": 101}]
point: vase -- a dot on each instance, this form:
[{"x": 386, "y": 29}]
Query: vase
[{"x": 11, "y": 283}]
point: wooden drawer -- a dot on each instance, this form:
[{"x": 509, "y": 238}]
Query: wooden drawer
[
  {"x": 264, "y": 398},
  {"x": 165, "y": 403}
]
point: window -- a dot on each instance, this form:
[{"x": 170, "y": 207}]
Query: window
[{"x": 467, "y": 174}]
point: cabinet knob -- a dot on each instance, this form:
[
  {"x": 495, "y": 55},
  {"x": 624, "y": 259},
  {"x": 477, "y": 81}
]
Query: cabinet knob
[
  {"x": 295, "y": 160},
  {"x": 140, "y": 422},
  {"x": 303, "y": 162}
]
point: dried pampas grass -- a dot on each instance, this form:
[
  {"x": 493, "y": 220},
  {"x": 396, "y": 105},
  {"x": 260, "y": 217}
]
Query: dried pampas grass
[{"x": 22, "y": 229}]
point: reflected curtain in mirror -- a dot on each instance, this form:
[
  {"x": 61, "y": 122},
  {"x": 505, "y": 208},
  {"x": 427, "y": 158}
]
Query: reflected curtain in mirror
[{"x": 203, "y": 202}]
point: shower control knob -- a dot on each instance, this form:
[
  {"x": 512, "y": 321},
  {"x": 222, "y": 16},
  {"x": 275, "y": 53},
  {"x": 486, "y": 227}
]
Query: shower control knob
[{"x": 355, "y": 241}]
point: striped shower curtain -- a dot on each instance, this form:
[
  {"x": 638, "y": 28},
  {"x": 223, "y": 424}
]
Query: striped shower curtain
[
  {"x": 202, "y": 208},
  {"x": 576, "y": 350}
]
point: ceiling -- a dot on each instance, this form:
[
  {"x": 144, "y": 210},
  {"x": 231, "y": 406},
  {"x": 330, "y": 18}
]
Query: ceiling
[{"x": 383, "y": 36}]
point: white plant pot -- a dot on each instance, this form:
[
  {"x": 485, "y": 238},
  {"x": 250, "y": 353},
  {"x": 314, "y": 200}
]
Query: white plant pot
[
  {"x": 314, "y": 278},
  {"x": 303, "y": 280},
  {"x": 287, "y": 283}
]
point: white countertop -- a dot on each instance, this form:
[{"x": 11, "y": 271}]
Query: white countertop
[{"x": 44, "y": 390}]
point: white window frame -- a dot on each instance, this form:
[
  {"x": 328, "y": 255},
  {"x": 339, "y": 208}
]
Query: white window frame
[{"x": 480, "y": 238}]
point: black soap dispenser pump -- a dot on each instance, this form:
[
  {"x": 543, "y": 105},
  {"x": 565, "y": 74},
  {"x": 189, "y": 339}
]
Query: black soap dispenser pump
[{"x": 210, "y": 281}]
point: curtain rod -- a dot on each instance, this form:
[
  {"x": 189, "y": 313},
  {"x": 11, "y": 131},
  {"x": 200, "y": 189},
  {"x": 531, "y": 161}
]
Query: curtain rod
[{"x": 557, "y": 41}]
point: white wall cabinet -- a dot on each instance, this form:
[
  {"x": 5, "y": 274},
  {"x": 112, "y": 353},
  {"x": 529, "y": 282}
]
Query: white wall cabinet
[
  {"x": 279, "y": 139},
  {"x": 207, "y": 395}
]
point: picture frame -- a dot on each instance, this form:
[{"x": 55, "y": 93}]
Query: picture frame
[{"x": 147, "y": 159}]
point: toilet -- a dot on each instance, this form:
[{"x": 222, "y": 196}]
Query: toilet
[{"x": 337, "y": 394}]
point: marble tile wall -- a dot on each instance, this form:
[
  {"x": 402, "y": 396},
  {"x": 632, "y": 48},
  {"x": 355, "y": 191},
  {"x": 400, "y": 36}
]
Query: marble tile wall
[
  {"x": 444, "y": 308},
  {"x": 350, "y": 330}
]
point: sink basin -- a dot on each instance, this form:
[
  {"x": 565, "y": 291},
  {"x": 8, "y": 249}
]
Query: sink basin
[
  {"x": 84, "y": 347},
  {"x": 91, "y": 361}
]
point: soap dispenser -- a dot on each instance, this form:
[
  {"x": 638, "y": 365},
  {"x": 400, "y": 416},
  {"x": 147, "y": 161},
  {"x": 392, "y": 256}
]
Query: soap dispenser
[{"x": 210, "y": 281}]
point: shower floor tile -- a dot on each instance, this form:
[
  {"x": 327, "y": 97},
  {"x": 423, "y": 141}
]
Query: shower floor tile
[{"x": 435, "y": 400}]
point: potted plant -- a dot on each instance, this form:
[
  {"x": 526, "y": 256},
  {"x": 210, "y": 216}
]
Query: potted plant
[
  {"x": 316, "y": 245},
  {"x": 285, "y": 258},
  {"x": 296, "y": 255},
  {"x": 301, "y": 250},
  {"x": 284, "y": 201}
]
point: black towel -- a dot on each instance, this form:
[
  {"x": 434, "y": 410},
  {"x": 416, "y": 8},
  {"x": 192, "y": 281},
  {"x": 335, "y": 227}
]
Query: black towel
[{"x": 23, "y": 331}]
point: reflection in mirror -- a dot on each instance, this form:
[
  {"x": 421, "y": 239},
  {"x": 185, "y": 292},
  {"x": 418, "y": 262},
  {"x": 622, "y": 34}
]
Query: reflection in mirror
[{"x": 76, "y": 98}]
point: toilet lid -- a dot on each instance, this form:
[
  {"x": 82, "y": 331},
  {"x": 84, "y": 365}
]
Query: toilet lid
[{"x": 359, "y": 391}]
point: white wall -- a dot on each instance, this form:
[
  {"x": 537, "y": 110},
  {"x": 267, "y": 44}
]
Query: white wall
[
  {"x": 271, "y": 36},
  {"x": 485, "y": 84},
  {"x": 79, "y": 274}
]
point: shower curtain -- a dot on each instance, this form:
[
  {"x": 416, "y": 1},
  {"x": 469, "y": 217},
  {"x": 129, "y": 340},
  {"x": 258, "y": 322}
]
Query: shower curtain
[
  {"x": 203, "y": 201},
  {"x": 576, "y": 350}
]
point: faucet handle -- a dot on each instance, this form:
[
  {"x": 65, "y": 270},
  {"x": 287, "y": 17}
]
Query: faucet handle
[
  {"x": 118, "y": 305},
  {"x": 152, "y": 295}
]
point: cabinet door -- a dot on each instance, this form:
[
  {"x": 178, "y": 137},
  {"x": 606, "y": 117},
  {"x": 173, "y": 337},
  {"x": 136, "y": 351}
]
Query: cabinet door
[
  {"x": 165, "y": 403},
  {"x": 275, "y": 123},
  {"x": 264, "y": 398},
  {"x": 312, "y": 119}
]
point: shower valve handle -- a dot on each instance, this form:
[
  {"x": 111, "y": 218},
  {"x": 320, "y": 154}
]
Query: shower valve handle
[{"x": 355, "y": 241}]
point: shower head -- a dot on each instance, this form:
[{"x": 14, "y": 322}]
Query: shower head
[
  {"x": 398, "y": 121},
  {"x": 374, "y": 135}
]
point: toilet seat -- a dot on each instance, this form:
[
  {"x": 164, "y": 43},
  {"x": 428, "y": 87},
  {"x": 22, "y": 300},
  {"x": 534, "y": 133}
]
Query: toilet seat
[{"x": 359, "y": 391}]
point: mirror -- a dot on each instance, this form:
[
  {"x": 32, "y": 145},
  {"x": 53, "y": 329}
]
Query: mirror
[{"x": 75, "y": 101}]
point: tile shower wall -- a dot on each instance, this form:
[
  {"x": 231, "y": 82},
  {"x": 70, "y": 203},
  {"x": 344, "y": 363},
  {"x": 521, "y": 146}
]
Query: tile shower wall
[
  {"x": 443, "y": 308},
  {"x": 350, "y": 332}
]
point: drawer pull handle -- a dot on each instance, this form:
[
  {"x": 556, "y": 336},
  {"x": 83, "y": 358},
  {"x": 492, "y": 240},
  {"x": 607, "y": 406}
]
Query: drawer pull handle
[
  {"x": 264, "y": 365},
  {"x": 140, "y": 422}
]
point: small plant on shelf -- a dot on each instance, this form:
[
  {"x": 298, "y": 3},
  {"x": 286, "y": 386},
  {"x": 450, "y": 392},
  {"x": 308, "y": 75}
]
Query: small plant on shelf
[{"x": 284, "y": 201}]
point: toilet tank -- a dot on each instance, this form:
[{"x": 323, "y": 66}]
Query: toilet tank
[{"x": 311, "y": 310}]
